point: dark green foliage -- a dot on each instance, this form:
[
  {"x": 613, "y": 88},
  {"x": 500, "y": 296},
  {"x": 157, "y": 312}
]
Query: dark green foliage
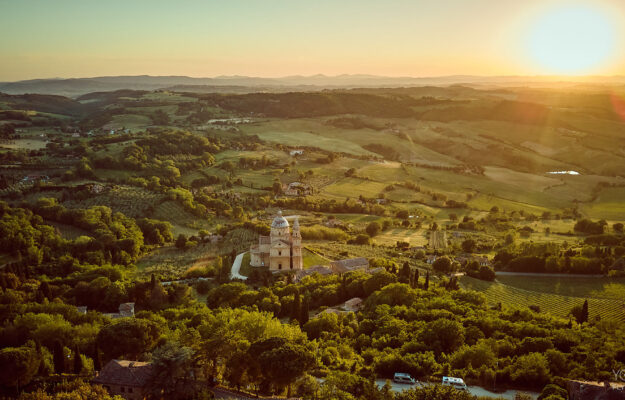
[
  {"x": 18, "y": 365},
  {"x": 58, "y": 357},
  {"x": 181, "y": 241},
  {"x": 443, "y": 265},
  {"x": 553, "y": 392},
  {"x": 78, "y": 364},
  {"x": 128, "y": 337},
  {"x": 434, "y": 392},
  {"x": 590, "y": 227},
  {"x": 373, "y": 228}
]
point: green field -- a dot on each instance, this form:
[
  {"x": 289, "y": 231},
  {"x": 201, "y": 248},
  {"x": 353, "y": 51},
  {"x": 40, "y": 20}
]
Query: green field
[
  {"x": 391, "y": 236},
  {"x": 599, "y": 288},
  {"x": 610, "y": 204},
  {"x": 555, "y": 304},
  {"x": 310, "y": 259},
  {"x": 132, "y": 201}
]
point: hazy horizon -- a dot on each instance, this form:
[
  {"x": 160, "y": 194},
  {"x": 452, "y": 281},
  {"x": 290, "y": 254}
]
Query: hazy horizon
[{"x": 285, "y": 38}]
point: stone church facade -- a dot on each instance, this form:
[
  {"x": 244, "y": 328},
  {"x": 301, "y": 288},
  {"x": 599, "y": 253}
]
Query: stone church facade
[{"x": 282, "y": 249}]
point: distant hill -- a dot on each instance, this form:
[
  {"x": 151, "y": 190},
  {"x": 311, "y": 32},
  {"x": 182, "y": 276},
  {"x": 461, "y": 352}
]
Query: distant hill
[{"x": 240, "y": 84}]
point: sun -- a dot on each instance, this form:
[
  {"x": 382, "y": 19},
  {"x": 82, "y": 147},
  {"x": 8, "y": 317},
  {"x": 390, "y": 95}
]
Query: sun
[{"x": 572, "y": 40}]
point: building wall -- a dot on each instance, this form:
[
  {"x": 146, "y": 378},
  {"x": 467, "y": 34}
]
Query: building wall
[
  {"x": 282, "y": 263},
  {"x": 127, "y": 392}
]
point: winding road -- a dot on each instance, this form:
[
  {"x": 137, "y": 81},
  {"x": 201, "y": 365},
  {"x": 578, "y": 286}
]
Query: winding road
[{"x": 236, "y": 267}]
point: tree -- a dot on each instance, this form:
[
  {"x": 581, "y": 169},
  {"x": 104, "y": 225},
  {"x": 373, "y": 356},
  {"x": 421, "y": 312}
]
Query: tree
[
  {"x": 304, "y": 312},
  {"x": 283, "y": 363},
  {"x": 405, "y": 273},
  {"x": 443, "y": 335},
  {"x": 78, "y": 364},
  {"x": 553, "y": 392},
  {"x": 181, "y": 241},
  {"x": 426, "y": 285},
  {"x": 530, "y": 369},
  {"x": 295, "y": 307},
  {"x": 442, "y": 264},
  {"x": 58, "y": 357},
  {"x": 128, "y": 337},
  {"x": 373, "y": 228},
  {"x": 433, "y": 392},
  {"x": 172, "y": 365},
  {"x": 585, "y": 311},
  {"x": 18, "y": 365},
  {"x": 362, "y": 239},
  {"x": 618, "y": 227},
  {"x": 468, "y": 245}
]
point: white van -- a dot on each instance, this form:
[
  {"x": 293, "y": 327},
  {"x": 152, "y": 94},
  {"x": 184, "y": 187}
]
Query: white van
[
  {"x": 400, "y": 377},
  {"x": 456, "y": 383}
]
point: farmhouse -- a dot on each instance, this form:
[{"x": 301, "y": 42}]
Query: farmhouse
[
  {"x": 430, "y": 259},
  {"x": 296, "y": 189},
  {"x": 585, "y": 390},
  {"x": 125, "y": 378},
  {"x": 281, "y": 250},
  {"x": 125, "y": 310}
]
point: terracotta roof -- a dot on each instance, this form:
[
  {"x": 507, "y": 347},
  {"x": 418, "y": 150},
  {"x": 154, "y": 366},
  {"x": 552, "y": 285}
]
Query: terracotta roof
[
  {"x": 320, "y": 269},
  {"x": 353, "y": 303},
  {"x": 125, "y": 373}
]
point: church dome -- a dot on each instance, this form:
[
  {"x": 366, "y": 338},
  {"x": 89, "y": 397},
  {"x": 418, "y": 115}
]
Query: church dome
[{"x": 279, "y": 221}]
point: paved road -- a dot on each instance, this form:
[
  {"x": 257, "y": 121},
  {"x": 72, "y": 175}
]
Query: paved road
[{"x": 236, "y": 266}]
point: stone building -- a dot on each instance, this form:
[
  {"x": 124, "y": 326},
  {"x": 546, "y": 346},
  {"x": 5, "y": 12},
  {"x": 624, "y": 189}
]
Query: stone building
[
  {"x": 586, "y": 390},
  {"x": 124, "y": 378},
  {"x": 281, "y": 250}
]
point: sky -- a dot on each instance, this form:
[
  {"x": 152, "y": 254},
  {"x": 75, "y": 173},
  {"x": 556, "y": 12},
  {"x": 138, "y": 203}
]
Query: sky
[{"x": 273, "y": 38}]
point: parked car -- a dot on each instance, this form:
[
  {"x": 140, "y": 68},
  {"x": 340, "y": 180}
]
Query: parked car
[
  {"x": 457, "y": 383},
  {"x": 400, "y": 377}
]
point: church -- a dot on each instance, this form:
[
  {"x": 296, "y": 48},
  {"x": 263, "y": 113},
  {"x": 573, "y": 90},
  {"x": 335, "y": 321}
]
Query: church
[{"x": 281, "y": 250}]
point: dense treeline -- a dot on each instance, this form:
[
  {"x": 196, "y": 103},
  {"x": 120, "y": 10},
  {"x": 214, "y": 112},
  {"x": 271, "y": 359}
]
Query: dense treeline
[
  {"x": 551, "y": 258},
  {"x": 295, "y": 105}
]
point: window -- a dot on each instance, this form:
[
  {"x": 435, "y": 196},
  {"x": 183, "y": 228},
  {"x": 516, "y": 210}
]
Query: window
[
  {"x": 279, "y": 253},
  {"x": 129, "y": 390},
  {"x": 123, "y": 389},
  {"x": 279, "y": 266}
]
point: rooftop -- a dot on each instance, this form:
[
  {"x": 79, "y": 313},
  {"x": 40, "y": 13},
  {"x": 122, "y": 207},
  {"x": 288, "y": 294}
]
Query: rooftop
[{"x": 125, "y": 373}]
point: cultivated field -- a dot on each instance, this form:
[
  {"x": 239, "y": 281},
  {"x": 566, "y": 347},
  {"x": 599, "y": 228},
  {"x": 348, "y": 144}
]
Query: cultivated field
[{"x": 555, "y": 304}]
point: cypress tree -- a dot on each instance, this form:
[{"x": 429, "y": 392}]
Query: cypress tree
[
  {"x": 45, "y": 289},
  {"x": 304, "y": 311},
  {"x": 58, "y": 357},
  {"x": 584, "y": 317},
  {"x": 78, "y": 365},
  {"x": 295, "y": 308},
  {"x": 427, "y": 281},
  {"x": 405, "y": 272},
  {"x": 97, "y": 361}
]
